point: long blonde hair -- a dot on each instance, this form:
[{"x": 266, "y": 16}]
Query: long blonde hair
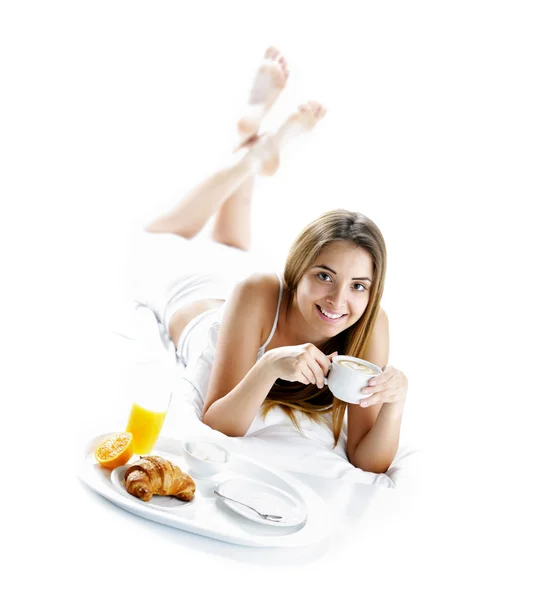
[{"x": 333, "y": 226}]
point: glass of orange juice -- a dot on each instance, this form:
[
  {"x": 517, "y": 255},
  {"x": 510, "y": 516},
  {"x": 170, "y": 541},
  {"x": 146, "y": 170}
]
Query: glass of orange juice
[{"x": 150, "y": 392}]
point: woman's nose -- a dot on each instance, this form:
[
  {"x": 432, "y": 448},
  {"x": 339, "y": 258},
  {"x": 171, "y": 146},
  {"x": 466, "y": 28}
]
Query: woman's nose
[{"x": 336, "y": 299}]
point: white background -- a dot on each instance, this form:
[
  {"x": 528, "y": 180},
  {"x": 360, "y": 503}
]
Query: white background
[{"x": 111, "y": 110}]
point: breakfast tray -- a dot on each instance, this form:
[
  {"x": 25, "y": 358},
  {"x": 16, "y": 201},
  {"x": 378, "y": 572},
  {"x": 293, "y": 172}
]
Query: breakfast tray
[{"x": 206, "y": 515}]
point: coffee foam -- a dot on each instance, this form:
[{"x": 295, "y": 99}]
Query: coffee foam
[{"x": 356, "y": 366}]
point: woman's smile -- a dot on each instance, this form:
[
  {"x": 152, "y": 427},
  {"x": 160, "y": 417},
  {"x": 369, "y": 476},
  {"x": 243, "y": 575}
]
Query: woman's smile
[{"x": 329, "y": 316}]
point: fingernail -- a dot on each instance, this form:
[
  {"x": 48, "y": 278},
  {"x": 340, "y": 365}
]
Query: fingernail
[
  {"x": 364, "y": 403},
  {"x": 365, "y": 391}
]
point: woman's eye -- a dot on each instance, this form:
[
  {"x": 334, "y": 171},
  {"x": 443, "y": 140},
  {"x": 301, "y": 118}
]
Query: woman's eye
[{"x": 358, "y": 287}]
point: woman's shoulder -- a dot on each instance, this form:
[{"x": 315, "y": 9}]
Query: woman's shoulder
[
  {"x": 262, "y": 281},
  {"x": 259, "y": 285},
  {"x": 262, "y": 289}
]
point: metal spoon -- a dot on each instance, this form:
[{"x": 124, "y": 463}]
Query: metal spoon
[{"x": 268, "y": 517}]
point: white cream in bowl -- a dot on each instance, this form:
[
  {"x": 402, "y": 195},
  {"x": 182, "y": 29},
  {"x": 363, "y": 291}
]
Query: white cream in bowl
[{"x": 205, "y": 458}]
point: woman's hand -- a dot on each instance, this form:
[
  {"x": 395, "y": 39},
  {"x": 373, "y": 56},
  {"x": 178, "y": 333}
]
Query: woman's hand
[
  {"x": 390, "y": 386},
  {"x": 304, "y": 363}
]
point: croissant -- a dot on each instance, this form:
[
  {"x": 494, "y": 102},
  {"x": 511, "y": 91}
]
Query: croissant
[{"x": 154, "y": 475}]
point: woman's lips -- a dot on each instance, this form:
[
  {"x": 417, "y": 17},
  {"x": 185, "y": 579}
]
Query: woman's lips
[{"x": 327, "y": 319}]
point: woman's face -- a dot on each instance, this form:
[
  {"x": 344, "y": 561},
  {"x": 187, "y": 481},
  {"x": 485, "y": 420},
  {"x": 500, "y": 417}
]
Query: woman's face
[{"x": 334, "y": 292}]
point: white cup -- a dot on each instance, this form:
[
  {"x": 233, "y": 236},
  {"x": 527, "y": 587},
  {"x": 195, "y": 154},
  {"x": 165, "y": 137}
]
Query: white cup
[{"x": 346, "y": 380}]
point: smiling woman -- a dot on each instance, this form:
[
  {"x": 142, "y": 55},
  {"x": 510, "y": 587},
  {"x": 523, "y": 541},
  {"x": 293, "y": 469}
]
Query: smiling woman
[
  {"x": 332, "y": 286},
  {"x": 264, "y": 341}
]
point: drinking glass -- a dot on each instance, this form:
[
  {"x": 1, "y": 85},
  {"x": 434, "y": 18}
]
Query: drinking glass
[{"x": 148, "y": 387}]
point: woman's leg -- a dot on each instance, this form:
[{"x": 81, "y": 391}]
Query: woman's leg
[
  {"x": 232, "y": 225},
  {"x": 230, "y": 189},
  {"x": 191, "y": 214}
]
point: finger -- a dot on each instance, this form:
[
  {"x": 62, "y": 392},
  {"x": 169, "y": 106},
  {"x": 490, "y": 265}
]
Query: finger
[
  {"x": 379, "y": 398},
  {"x": 302, "y": 379},
  {"x": 375, "y": 389},
  {"x": 318, "y": 372},
  {"x": 383, "y": 378},
  {"x": 380, "y": 383},
  {"x": 371, "y": 400},
  {"x": 308, "y": 374},
  {"x": 330, "y": 358},
  {"x": 323, "y": 360}
]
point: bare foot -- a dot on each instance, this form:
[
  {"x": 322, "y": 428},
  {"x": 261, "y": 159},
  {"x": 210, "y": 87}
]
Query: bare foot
[
  {"x": 304, "y": 120},
  {"x": 267, "y": 85},
  {"x": 264, "y": 150}
]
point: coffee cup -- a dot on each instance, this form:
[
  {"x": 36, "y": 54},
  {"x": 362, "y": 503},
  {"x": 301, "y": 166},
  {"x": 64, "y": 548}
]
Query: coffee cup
[{"x": 348, "y": 376}]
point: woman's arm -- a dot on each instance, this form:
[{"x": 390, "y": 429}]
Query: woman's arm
[
  {"x": 238, "y": 384},
  {"x": 233, "y": 413},
  {"x": 374, "y": 430}
]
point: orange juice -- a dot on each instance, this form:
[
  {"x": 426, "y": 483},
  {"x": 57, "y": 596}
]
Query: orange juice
[{"x": 145, "y": 426}]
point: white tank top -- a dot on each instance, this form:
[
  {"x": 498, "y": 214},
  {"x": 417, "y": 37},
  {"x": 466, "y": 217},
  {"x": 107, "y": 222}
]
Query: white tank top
[{"x": 196, "y": 347}]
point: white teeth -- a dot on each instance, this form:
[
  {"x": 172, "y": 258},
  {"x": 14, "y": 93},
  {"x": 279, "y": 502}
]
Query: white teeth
[{"x": 330, "y": 315}]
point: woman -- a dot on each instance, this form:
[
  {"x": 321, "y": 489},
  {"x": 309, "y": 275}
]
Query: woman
[{"x": 273, "y": 338}]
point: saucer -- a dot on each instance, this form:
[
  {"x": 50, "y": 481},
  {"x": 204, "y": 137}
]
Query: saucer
[{"x": 265, "y": 498}]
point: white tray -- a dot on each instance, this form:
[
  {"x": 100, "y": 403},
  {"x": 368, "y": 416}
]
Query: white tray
[{"x": 207, "y": 515}]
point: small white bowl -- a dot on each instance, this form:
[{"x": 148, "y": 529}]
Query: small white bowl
[{"x": 205, "y": 458}]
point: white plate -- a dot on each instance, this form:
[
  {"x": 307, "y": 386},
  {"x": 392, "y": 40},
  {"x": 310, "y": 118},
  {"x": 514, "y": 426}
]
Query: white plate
[
  {"x": 265, "y": 498},
  {"x": 167, "y": 503}
]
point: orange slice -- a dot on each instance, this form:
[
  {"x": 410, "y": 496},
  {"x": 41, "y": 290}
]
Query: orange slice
[{"x": 115, "y": 451}]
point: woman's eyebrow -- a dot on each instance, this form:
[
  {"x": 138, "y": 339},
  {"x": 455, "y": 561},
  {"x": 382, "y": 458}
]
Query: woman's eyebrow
[{"x": 335, "y": 273}]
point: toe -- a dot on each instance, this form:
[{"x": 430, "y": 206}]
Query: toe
[
  {"x": 320, "y": 112},
  {"x": 317, "y": 109},
  {"x": 271, "y": 52}
]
